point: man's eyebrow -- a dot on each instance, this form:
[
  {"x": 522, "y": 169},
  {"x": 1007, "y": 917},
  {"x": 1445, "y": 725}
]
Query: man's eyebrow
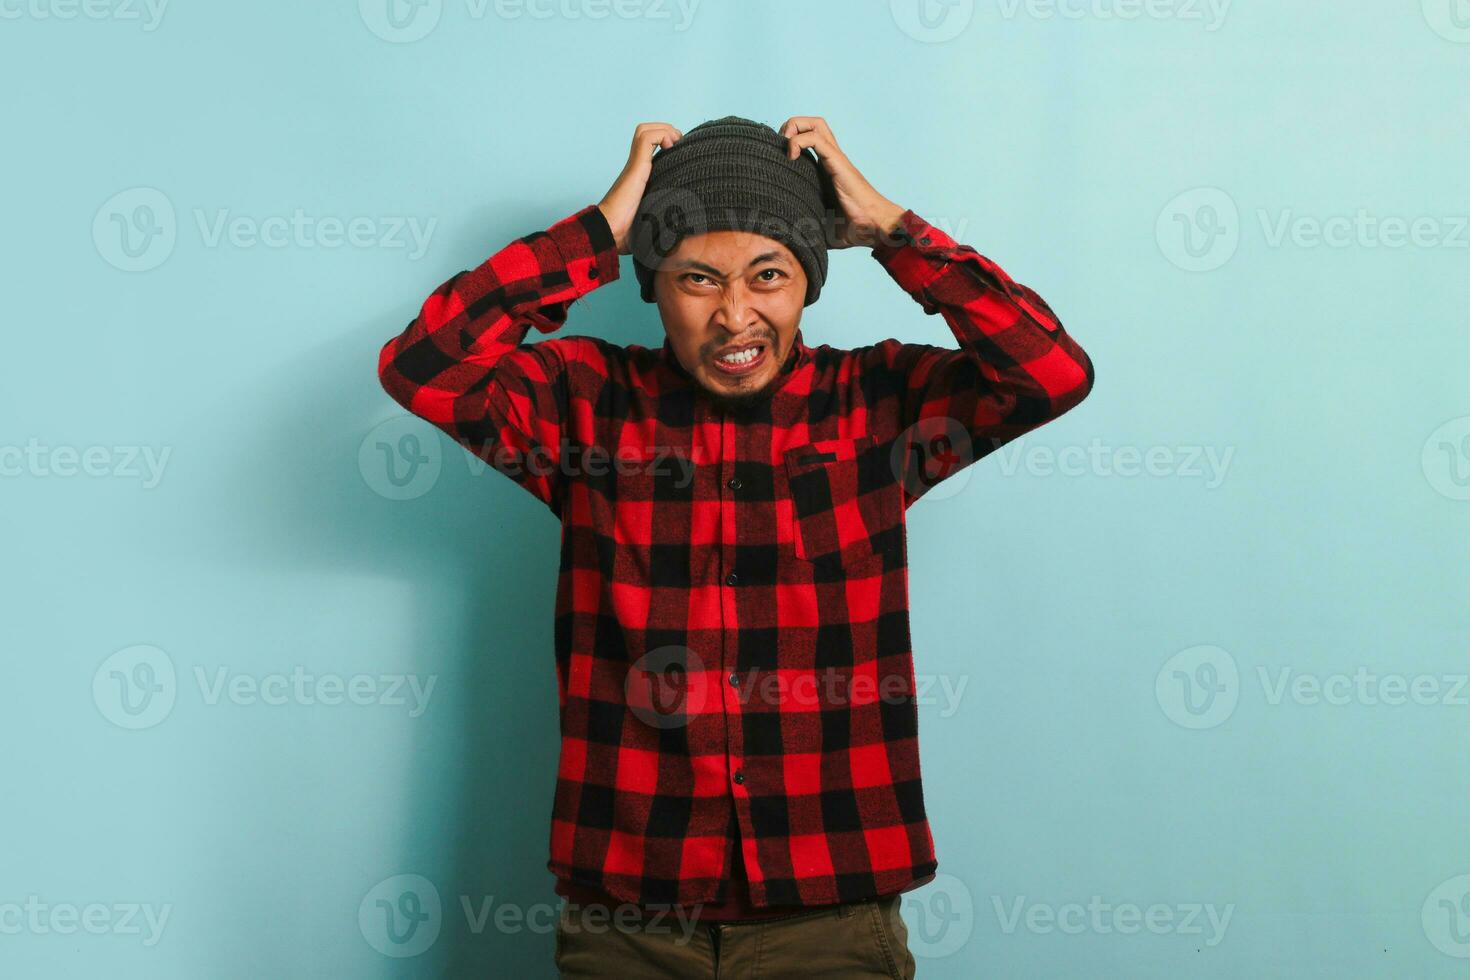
[{"x": 772, "y": 256}]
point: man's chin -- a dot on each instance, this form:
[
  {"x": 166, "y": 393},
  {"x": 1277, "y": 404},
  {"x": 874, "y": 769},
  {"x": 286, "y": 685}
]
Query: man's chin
[
  {"x": 736, "y": 398},
  {"x": 737, "y": 392}
]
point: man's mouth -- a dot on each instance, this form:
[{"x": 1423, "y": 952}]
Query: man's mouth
[{"x": 741, "y": 359}]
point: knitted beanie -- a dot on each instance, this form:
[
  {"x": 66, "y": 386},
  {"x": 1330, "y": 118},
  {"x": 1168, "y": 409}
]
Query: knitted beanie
[{"x": 733, "y": 174}]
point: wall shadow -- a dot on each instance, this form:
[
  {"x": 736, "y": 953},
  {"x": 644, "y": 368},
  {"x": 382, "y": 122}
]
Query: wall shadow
[{"x": 482, "y": 558}]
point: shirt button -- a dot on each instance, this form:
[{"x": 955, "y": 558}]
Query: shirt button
[
  {"x": 924, "y": 240},
  {"x": 739, "y": 776},
  {"x": 734, "y": 680},
  {"x": 731, "y": 579},
  {"x": 734, "y": 483}
]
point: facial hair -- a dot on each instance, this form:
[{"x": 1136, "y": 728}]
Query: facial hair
[{"x": 747, "y": 400}]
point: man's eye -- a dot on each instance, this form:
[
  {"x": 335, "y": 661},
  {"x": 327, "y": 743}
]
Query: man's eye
[
  {"x": 693, "y": 275},
  {"x": 775, "y": 271}
]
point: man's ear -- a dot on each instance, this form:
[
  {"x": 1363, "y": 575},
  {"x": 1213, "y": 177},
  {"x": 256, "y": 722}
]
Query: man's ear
[
  {"x": 825, "y": 187},
  {"x": 832, "y": 211}
]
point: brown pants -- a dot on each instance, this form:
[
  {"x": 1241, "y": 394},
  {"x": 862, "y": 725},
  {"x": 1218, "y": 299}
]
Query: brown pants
[{"x": 856, "y": 940}]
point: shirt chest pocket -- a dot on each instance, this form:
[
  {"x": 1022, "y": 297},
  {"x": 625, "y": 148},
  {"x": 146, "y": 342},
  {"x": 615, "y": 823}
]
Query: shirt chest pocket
[{"x": 846, "y": 502}]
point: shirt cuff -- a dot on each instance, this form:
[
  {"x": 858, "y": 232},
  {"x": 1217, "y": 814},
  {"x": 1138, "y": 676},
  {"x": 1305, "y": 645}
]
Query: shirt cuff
[
  {"x": 588, "y": 250},
  {"x": 914, "y": 254}
]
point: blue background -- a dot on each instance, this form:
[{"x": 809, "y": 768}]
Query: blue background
[{"x": 1119, "y": 635}]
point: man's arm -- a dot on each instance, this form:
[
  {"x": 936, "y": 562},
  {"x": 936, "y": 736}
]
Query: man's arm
[
  {"x": 461, "y": 363},
  {"x": 1016, "y": 367}
]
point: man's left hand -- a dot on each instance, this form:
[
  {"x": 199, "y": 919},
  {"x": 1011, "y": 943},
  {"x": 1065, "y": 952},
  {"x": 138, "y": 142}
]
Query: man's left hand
[{"x": 866, "y": 215}]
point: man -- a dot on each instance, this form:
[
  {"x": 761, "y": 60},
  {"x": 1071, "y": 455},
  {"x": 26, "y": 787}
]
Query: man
[{"x": 732, "y": 509}]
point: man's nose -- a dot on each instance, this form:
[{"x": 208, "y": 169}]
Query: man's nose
[{"x": 734, "y": 312}]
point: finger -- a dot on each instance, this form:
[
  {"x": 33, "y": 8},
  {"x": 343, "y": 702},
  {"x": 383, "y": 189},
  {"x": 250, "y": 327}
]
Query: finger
[
  {"x": 799, "y": 141},
  {"x": 649, "y": 143},
  {"x": 821, "y": 145},
  {"x": 819, "y": 125},
  {"x": 795, "y": 127},
  {"x": 650, "y": 136},
  {"x": 805, "y": 124}
]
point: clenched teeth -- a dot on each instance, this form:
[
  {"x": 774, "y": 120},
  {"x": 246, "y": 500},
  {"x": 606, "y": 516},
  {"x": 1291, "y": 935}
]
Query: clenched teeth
[{"x": 741, "y": 357}]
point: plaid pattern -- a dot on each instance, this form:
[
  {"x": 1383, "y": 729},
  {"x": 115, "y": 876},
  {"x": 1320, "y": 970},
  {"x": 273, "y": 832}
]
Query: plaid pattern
[{"x": 732, "y": 638}]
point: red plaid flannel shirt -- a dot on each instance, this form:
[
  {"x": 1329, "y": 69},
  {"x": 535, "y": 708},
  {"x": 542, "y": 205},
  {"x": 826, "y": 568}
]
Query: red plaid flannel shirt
[{"x": 753, "y": 563}]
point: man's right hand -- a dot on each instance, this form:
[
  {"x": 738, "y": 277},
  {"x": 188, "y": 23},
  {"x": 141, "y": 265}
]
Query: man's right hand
[{"x": 620, "y": 203}]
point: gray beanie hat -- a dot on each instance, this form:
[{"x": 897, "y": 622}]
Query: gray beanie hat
[{"x": 734, "y": 174}]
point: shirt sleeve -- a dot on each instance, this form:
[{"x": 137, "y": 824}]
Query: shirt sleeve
[
  {"x": 1016, "y": 367},
  {"x": 462, "y": 363}
]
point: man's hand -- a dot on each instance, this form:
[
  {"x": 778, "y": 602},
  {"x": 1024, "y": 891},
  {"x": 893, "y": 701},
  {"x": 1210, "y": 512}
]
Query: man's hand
[
  {"x": 620, "y": 204},
  {"x": 866, "y": 215}
]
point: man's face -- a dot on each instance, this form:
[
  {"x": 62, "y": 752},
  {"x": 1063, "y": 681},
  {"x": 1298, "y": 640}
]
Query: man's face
[{"x": 725, "y": 292}]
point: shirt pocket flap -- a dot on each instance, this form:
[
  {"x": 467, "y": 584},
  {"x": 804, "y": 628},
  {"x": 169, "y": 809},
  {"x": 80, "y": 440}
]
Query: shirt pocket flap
[
  {"x": 845, "y": 499},
  {"x": 813, "y": 454}
]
